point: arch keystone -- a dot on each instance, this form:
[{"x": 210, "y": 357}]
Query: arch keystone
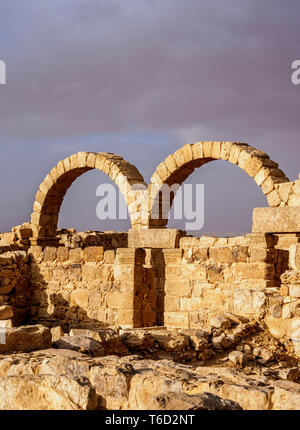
[
  {"x": 82, "y": 159},
  {"x": 91, "y": 160},
  {"x": 207, "y": 147}
]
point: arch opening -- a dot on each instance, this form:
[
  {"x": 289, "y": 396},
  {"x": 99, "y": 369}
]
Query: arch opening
[
  {"x": 51, "y": 193},
  {"x": 177, "y": 167}
]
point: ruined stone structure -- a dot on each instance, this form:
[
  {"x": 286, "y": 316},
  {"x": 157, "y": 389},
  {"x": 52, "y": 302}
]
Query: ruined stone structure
[
  {"x": 100, "y": 320},
  {"x": 154, "y": 276}
]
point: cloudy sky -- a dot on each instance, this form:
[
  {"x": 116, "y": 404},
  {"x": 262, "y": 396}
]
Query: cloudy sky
[{"x": 141, "y": 78}]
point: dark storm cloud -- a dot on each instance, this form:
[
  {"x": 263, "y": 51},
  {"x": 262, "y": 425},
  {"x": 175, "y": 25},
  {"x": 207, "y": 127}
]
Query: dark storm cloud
[
  {"x": 98, "y": 66},
  {"x": 181, "y": 69}
]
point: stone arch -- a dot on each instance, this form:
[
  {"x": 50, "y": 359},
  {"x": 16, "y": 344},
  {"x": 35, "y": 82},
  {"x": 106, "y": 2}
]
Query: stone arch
[
  {"x": 50, "y": 195},
  {"x": 176, "y": 168}
]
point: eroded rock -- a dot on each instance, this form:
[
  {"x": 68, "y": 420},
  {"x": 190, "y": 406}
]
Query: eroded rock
[
  {"x": 83, "y": 344},
  {"x": 26, "y": 338}
]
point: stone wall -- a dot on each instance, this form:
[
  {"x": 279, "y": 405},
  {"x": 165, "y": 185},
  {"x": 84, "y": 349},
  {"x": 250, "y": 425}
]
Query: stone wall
[
  {"x": 82, "y": 285},
  {"x": 90, "y": 287},
  {"x": 15, "y": 293},
  {"x": 209, "y": 276}
]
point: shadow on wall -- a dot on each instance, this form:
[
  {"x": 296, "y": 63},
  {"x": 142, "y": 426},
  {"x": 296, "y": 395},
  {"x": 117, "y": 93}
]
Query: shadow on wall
[{"x": 95, "y": 294}]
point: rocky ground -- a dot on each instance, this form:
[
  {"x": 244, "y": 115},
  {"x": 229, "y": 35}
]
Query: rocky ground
[{"x": 235, "y": 365}]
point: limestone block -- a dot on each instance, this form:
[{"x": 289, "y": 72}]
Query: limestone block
[
  {"x": 81, "y": 344},
  {"x": 46, "y": 392},
  {"x": 109, "y": 256},
  {"x": 256, "y": 270},
  {"x": 274, "y": 198},
  {"x": 6, "y": 312},
  {"x": 207, "y": 241},
  {"x": 294, "y": 200},
  {"x": 215, "y": 273},
  {"x": 294, "y": 290},
  {"x": 26, "y": 338},
  {"x": 163, "y": 171},
  {"x": 79, "y": 297},
  {"x": 120, "y": 300},
  {"x": 220, "y": 322},
  {"x": 93, "y": 253},
  {"x": 56, "y": 333},
  {"x": 286, "y": 396},
  {"x": 207, "y": 148},
  {"x": 234, "y": 153},
  {"x": 284, "y": 191},
  {"x": 216, "y": 150},
  {"x": 95, "y": 299},
  {"x": 197, "y": 149},
  {"x": 171, "y": 163},
  {"x": 244, "y": 159},
  {"x": 276, "y": 220},
  {"x": 236, "y": 357},
  {"x": 74, "y": 161},
  {"x": 7, "y": 323},
  {"x": 171, "y": 303},
  {"x": 67, "y": 164},
  {"x": 221, "y": 254},
  {"x": 262, "y": 175},
  {"x": 50, "y": 253},
  {"x": 253, "y": 166},
  {"x": 187, "y": 152},
  {"x": 60, "y": 168},
  {"x": 75, "y": 254},
  {"x": 294, "y": 257},
  {"x": 179, "y": 158},
  {"x": 178, "y": 287},
  {"x": 91, "y": 160},
  {"x": 191, "y": 304},
  {"x": 130, "y": 256},
  {"x": 154, "y": 238},
  {"x": 62, "y": 254},
  {"x": 200, "y": 254},
  {"x": 268, "y": 185},
  {"x": 249, "y": 303},
  {"x": 176, "y": 319},
  {"x": 263, "y": 255}
]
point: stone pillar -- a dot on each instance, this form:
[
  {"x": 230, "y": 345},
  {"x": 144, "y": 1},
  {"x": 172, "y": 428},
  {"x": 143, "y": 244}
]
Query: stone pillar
[{"x": 136, "y": 309}]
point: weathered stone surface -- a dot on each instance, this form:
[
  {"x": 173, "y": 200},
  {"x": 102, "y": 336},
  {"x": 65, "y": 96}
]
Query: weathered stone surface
[
  {"x": 276, "y": 220},
  {"x": 56, "y": 333},
  {"x": 82, "y": 344},
  {"x": 109, "y": 339},
  {"x": 154, "y": 238},
  {"x": 205, "y": 401},
  {"x": 286, "y": 396},
  {"x": 294, "y": 257},
  {"x": 220, "y": 322},
  {"x": 6, "y": 312},
  {"x": 26, "y": 338},
  {"x": 44, "y": 392},
  {"x": 236, "y": 357}
]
